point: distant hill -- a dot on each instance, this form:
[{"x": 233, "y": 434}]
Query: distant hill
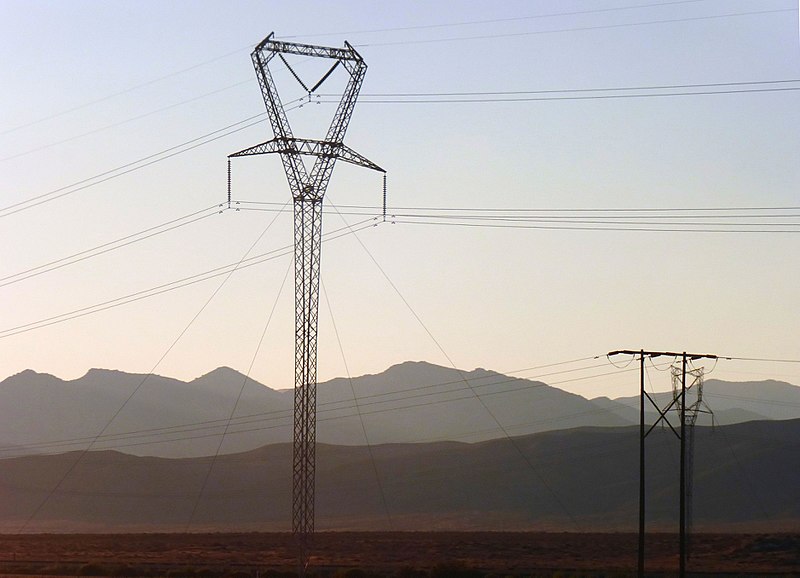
[
  {"x": 45, "y": 414},
  {"x": 731, "y": 402},
  {"x": 409, "y": 402},
  {"x": 747, "y": 478}
]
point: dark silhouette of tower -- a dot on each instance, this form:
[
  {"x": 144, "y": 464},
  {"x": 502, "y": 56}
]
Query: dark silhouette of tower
[{"x": 308, "y": 189}]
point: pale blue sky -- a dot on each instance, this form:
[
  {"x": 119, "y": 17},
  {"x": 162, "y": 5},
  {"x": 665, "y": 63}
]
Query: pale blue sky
[{"x": 90, "y": 86}]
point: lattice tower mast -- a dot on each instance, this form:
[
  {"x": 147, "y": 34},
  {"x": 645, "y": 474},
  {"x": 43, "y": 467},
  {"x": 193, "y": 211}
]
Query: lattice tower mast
[
  {"x": 693, "y": 409},
  {"x": 308, "y": 189}
]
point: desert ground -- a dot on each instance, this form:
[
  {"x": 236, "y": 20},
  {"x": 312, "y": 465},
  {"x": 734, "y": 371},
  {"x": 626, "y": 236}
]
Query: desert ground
[{"x": 394, "y": 554}]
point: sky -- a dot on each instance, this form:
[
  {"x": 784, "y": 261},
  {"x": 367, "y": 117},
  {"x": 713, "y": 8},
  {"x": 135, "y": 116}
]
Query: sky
[{"x": 104, "y": 105}]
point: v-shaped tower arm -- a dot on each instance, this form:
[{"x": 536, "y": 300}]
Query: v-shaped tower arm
[
  {"x": 293, "y": 165},
  {"x": 323, "y": 166},
  {"x": 302, "y": 184}
]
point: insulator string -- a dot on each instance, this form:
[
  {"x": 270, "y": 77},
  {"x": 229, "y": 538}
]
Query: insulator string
[{"x": 229, "y": 182}]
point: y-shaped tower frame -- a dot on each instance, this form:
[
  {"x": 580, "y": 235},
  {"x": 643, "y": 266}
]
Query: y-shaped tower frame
[{"x": 307, "y": 191}]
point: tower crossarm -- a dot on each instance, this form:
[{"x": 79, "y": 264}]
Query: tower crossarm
[
  {"x": 269, "y": 46},
  {"x": 311, "y": 147}
]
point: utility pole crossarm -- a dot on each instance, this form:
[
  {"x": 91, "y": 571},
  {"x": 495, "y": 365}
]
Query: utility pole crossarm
[{"x": 689, "y": 356}]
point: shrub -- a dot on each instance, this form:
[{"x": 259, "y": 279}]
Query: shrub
[
  {"x": 410, "y": 572},
  {"x": 350, "y": 573},
  {"x": 92, "y": 569},
  {"x": 454, "y": 570}
]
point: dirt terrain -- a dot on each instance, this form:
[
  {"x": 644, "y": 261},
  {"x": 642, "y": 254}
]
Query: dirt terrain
[{"x": 394, "y": 553}]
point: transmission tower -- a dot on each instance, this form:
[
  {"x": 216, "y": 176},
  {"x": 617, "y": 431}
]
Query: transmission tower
[
  {"x": 308, "y": 189},
  {"x": 691, "y": 404}
]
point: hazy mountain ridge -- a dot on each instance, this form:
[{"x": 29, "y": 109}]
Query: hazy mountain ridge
[
  {"x": 733, "y": 401},
  {"x": 409, "y": 402},
  {"x": 747, "y": 478}
]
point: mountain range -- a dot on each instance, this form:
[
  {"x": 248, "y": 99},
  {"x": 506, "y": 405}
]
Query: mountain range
[
  {"x": 412, "y": 402},
  {"x": 416, "y": 447},
  {"x": 746, "y": 478}
]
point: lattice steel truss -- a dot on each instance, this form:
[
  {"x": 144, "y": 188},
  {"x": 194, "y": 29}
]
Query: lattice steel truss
[
  {"x": 308, "y": 189},
  {"x": 692, "y": 405},
  {"x": 695, "y": 406}
]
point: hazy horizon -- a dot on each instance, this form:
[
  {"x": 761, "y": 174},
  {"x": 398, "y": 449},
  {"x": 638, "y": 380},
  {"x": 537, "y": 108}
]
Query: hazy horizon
[{"x": 574, "y": 118}]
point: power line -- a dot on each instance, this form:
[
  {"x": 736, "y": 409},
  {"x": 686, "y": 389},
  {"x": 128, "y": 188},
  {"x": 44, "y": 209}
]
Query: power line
[
  {"x": 139, "y": 117},
  {"x": 575, "y": 29},
  {"x": 143, "y": 115},
  {"x": 576, "y": 90},
  {"x": 238, "y": 396},
  {"x": 128, "y": 167},
  {"x": 766, "y": 359},
  {"x": 357, "y": 407},
  {"x": 593, "y": 228},
  {"x": 445, "y": 99},
  {"x": 497, "y": 20},
  {"x": 171, "y": 286},
  {"x": 662, "y": 219},
  {"x": 395, "y": 29},
  {"x": 545, "y": 452},
  {"x": 525, "y": 458},
  {"x": 596, "y": 225},
  {"x": 471, "y": 396},
  {"x": 50, "y": 493},
  {"x": 677, "y": 220},
  {"x": 111, "y": 245},
  {"x": 780, "y": 403},
  {"x": 122, "y": 122},
  {"x": 140, "y": 163},
  {"x": 356, "y": 32},
  {"x": 376, "y": 208},
  {"x": 423, "y": 391},
  {"x": 331, "y": 407},
  {"x": 121, "y": 92},
  {"x": 429, "y": 98}
]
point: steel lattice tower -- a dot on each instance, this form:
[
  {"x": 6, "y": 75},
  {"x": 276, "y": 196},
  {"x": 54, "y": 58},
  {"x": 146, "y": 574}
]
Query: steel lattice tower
[
  {"x": 691, "y": 409},
  {"x": 308, "y": 189}
]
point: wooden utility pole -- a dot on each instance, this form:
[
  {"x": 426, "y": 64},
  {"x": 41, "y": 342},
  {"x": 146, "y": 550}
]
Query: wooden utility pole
[{"x": 678, "y": 399}]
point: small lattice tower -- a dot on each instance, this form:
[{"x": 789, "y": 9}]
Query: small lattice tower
[{"x": 695, "y": 405}]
